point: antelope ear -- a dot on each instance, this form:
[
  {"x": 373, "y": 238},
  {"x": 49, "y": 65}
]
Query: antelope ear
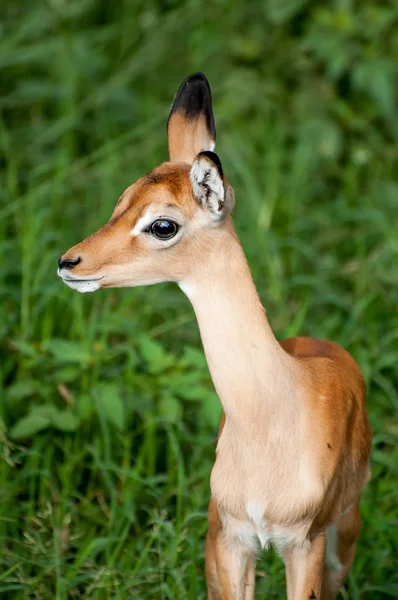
[
  {"x": 209, "y": 187},
  {"x": 191, "y": 128}
]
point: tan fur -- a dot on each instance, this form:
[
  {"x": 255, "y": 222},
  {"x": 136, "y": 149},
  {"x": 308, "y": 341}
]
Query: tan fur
[
  {"x": 294, "y": 443},
  {"x": 187, "y": 138}
]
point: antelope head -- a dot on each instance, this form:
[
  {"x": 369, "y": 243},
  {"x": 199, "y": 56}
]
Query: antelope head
[{"x": 167, "y": 221}]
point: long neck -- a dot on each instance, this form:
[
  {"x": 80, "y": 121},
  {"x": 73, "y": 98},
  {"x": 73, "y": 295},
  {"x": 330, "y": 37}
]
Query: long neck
[{"x": 248, "y": 367}]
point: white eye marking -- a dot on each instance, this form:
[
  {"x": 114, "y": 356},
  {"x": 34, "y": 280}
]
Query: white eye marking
[
  {"x": 141, "y": 224},
  {"x": 145, "y": 222}
]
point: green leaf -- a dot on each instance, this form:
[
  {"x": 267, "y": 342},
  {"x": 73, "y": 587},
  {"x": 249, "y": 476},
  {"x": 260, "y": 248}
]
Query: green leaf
[
  {"x": 3, "y": 431},
  {"x": 211, "y": 409},
  {"x": 24, "y": 348},
  {"x": 68, "y": 352},
  {"x": 376, "y": 78},
  {"x": 28, "y": 426},
  {"x": 185, "y": 384},
  {"x": 47, "y": 411},
  {"x": 42, "y": 417},
  {"x": 85, "y": 407},
  {"x": 170, "y": 408},
  {"x": 65, "y": 420},
  {"x": 22, "y": 389},
  {"x": 67, "y": 374},
  {"x": 197, "y": 393},
  {"x": 155, "y": 355},
  {"x": 280, "y": 11},
  {"x": 112, "y": 406},
  {"x": 193, "y": 357}
]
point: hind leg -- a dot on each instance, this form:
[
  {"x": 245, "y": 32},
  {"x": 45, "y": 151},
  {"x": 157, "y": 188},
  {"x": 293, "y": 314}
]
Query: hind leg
[{"x": 340, "y": 551}]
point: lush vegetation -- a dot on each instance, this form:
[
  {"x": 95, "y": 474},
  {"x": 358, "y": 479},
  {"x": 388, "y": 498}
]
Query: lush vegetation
[{"x": 108, "y": 415}]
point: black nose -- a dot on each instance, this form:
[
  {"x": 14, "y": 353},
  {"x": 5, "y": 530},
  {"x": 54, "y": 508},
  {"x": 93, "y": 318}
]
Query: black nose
[{"x": 68, "y": 263}]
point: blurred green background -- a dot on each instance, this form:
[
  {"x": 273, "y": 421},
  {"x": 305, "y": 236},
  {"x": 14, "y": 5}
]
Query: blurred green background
[{"x": 108, "y": 414}]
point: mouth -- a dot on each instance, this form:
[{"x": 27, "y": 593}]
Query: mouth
[
  {"x": 82, "y": 285},
  {"x": 78, "y": 280}
]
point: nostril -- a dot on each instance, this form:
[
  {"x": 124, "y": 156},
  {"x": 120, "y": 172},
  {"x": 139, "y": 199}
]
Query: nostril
[{"x": 68, "y": 263}]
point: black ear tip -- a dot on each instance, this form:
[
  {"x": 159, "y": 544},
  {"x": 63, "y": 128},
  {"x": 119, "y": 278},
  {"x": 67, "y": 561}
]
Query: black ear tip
[
  {"x": 195, "y": 84},
  {"x": 194, "y": 98},
  {"x": 197, "y": 77}
]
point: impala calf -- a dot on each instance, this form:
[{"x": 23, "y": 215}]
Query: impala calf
[{"x": 294, "y": 442}]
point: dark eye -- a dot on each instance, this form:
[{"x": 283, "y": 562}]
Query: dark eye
[{"x": 163, "y": 229}]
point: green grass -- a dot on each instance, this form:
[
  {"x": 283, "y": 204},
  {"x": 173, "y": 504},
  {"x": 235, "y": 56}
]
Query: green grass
[{"x": 108, "y": 414}]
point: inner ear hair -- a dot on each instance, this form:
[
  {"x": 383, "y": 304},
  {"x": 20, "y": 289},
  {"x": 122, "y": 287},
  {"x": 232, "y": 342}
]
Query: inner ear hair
[{"x": 208, "y": 186}]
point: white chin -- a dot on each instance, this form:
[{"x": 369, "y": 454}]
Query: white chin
[{"x": 82, "y": 286}]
